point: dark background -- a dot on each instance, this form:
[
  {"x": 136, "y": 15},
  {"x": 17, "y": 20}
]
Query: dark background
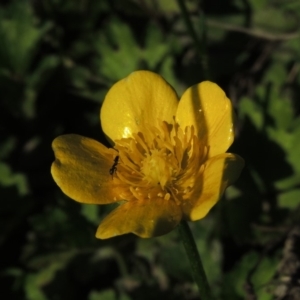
[{"x": 58, "y": 58}]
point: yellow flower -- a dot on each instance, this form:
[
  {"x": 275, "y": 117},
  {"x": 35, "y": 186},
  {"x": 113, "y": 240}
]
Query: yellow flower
[{"x": 168, "y": 160}]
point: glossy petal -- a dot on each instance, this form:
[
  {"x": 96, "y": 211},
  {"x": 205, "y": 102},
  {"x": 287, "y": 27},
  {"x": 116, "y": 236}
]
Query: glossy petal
[
  {"x": 206, "y": 107},
  {"x": 141, "y": 98},
  {"x": 219, "y": 172},
  {"x": 81, "y": 169},
  {"x": 145, "y": 218}
]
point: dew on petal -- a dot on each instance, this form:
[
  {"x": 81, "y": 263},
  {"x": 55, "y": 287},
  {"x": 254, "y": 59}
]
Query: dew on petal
[{"x": 126, "y": 132}]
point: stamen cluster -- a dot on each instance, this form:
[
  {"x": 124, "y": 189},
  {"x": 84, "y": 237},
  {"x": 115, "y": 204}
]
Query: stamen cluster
[{"x": 161, "y": 162}]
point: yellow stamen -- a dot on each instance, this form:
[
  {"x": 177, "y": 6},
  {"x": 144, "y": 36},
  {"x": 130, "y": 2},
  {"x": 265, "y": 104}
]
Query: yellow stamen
[{"x": 161, "y": 162}]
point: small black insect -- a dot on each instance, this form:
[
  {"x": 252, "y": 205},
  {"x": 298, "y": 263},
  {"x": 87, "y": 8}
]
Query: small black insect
[{"x": 113, "y": 169}]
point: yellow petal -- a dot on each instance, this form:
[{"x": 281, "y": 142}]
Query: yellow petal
[
  {"x": 206, "y": 106},
  {"x": 219, "y": 172},
  {"x": 81, "y": 169},
  {"x": 145, "y": 218},
  {"x": 141, "y": 98}
]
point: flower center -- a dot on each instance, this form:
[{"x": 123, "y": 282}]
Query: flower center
[
  {"x": 157, "y": 167},
  {"x": 160, "y": 162}
]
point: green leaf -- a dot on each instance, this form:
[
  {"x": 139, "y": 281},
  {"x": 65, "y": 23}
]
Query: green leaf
[
  {"x": 108, "y": 294},
  {"x": 51, "y": 264},
  {"x": 175, "y": 263},
  {"x": 276, "y": 75},
  {"x": 8, "y": 179},
  {"x": 156, "y": 48},
  {"x": 90, "y": 212},
  {"x": 289, "y": 199},
  {"x": 119, "y": 54},
  {"x": 273, "y": 20},
  {"x": 6, "y": 146},
  {"x": 262, "y": 274},
  {"x": 282, "y": 112},
  {"x": 32, "y": 290},
  {"x": 19, "y": 36},
  {"x": 104, "y": 295},
  {"x": 252, "y": 110}
]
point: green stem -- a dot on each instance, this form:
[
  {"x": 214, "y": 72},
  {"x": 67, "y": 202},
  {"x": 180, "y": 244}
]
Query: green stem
[
  {"x": 195, "y": 260},
  {"x": 200, "y": 44}
]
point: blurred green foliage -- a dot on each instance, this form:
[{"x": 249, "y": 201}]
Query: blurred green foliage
[{"x": 58, "y": 58}]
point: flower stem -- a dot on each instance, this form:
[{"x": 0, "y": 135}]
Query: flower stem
[
  {"x": 195, "y": 260},
  {"x": 200, "y": 43}
]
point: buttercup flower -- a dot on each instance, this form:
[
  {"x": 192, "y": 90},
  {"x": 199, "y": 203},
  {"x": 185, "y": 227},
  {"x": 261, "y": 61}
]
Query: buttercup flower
[{"x": 167, "y": 160}]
